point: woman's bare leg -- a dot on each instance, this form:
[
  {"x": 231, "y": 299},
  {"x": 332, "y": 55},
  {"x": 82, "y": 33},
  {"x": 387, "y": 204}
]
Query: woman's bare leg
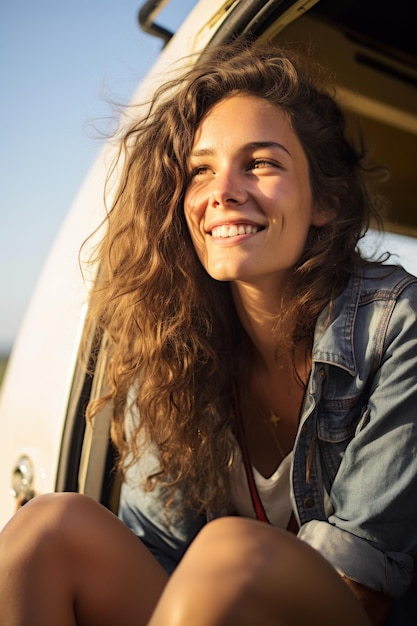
[
  {"x": 66, "y": 560},
  {"x": 240, "y": 572}
]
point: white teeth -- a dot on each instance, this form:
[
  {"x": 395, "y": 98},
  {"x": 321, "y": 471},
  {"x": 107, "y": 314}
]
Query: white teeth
[{"x": 225, "y": 231}]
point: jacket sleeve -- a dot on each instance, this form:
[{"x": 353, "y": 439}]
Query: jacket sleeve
[
  {"x": 371, "y": 534},
  {"x": 165, "y": 531}
]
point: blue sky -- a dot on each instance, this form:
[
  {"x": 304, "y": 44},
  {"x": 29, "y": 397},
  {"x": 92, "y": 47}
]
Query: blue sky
[{"x": 61, "y": 64}]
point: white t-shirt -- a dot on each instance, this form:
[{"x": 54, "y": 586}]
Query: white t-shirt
[{"x": 274, "y": 491}]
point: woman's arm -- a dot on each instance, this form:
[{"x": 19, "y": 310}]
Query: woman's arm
[{"x": 371, "y": 533}]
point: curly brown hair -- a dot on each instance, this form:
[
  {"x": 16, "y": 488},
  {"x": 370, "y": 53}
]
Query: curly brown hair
[{"x": 171, "y": 327}]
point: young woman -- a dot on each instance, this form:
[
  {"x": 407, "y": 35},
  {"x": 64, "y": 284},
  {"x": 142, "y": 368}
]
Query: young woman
[{"x": 263, "y": 377}]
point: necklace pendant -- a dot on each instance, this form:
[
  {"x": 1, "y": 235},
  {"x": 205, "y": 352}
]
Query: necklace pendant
[{"x": 274, "y": 419}]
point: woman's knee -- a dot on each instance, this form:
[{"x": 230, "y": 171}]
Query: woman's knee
[
  {"x": 221, "y": 579},
  {"x": 47, "y": 514},
  {"x": 241, "y": 541},
  {"x": 257, "y": 574},
  {"x": 74, "y": 552},
  {"x": 51, "y": 522},
  {"x": 56, "y": 524},
  {"x": 257, "y": 557}
]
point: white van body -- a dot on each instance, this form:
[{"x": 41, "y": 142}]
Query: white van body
[{"x": 43, "y": 382}]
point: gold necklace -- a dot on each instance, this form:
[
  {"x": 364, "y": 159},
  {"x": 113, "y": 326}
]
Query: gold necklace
[
  {"x": 274, "y": 418},
  {"x": 270, "y": 422},
  {"x": 271, "y": 425}
]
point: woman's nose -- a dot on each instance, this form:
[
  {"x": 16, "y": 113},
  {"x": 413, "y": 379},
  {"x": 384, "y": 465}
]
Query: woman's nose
[{"x": 227, "y": 190}]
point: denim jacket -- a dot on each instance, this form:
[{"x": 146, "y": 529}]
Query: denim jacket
[{"x": 354, "y": 474}]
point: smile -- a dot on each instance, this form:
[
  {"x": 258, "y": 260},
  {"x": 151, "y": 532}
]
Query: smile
[{"x": 234, "y": 230}]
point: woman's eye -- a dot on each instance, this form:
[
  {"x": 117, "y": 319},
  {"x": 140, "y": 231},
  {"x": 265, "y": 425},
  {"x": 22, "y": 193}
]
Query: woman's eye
[
  {"x": 198, "y": 171},
  {"x": 261, "y": 163}
]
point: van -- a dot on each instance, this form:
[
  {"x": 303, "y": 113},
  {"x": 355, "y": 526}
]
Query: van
[{"x": 45, "y": 443}]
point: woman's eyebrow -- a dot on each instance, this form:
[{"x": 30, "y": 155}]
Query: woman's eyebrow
[
  {"x": 256, "y": 145},
  {"x": 252, "y": 145},
  {"x": 199, "y": 152}
]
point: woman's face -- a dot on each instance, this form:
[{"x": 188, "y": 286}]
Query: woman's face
[{"x": 248, "y": 203}]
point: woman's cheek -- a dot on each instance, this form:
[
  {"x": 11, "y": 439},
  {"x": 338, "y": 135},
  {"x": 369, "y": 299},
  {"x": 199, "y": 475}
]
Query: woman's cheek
[{"x": 194, "y": 214}]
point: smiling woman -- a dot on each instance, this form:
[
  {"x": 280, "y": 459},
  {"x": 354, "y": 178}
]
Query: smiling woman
[
  {"x": 259, "y": 367},
  {"x": 249, "y": 171}
]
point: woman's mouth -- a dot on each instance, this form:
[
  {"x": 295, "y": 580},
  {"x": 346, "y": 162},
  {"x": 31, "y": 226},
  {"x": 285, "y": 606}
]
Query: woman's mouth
[{"x": 224, "y": 231}]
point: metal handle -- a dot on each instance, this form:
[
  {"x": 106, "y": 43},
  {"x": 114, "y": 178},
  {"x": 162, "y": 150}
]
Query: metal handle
[{"x": 22, "y": 480}]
